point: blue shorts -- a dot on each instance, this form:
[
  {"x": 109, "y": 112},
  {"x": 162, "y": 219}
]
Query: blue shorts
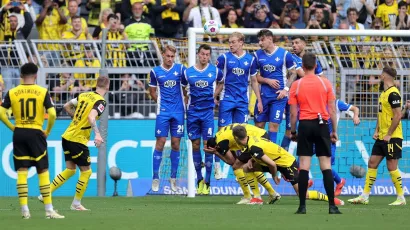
[
  {"x": 332, "y": 149},
  {"x": 167, "y": 122},
  {"x": 200, "y": 124},
  {"x": 232, "y": 112},
  {"x": 287, "y": 114},
  {"x": 272, "y": 110}
]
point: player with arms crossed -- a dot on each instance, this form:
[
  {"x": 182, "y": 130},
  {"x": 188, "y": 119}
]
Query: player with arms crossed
[
  {"x": 270, "y": 157},
  {"x": 273, "y": 63},
  {"x": 224, "y": 146},
  {"x": 389, "y": 137},
  {"x": 27, "y": 101},
  {"x": 166, "y": 90},
  {"x": 200, "y": 83},
  {"x": 238, "y": 68},
  {"x": 85, "y": 110}
]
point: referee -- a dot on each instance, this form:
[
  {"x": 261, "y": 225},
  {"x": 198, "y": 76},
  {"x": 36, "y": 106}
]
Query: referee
[{"x": 314, "y": 96}]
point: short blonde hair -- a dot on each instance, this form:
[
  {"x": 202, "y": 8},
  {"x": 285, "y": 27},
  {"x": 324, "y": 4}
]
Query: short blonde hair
[
  {"x": 171, "y": 48},
  {"x": 240, "y": 36},
  {"x": 103, "y": 82}
]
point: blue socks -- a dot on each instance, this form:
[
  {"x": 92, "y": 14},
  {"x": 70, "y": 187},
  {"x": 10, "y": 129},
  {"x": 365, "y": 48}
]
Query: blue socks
[
  {"x": 156, "y": 162},
  {"x": 217, "y": 159},
  {"x": 336, "y": 177},
  {"x": 273, "y": 136},
  {"x": 174, "y": 163},
  {"x": 285, "y": 142},
  {"x": 208, "y": 167},
  {"x": 197, "y": 163}
]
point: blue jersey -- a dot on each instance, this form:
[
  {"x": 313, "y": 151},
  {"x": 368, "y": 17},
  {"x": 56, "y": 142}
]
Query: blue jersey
[
  {"x": 236, "y": 73},
  {"x": 201, "y": 86},
  {"x": 274, "y": 66},
  {"x": 298, "y": 61},
  {"x": 341, "y": 106},
  {"x": 168, "y": 83}
]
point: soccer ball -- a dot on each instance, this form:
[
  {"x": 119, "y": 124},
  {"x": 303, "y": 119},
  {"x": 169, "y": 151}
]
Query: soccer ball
[
  {"x": 357, "y": 171},
  {"x": 115, "y": 173},
  {"x": 211, "y": 27}
]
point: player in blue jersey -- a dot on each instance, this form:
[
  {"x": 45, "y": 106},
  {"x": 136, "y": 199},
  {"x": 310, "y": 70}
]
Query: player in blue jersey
[
  {"x": 238, "y": 68},
  {"x": 341, "y": 106},
  {"x": 298, "y": 46},
  {"x": 200, "y": 83},
  {"x": 274, "y": 64},
  {"x": 165, "y": 89}
]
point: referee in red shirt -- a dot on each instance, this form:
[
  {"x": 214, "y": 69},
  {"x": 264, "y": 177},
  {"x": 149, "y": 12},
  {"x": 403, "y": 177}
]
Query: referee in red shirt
[{"x": 314, "y": 97}]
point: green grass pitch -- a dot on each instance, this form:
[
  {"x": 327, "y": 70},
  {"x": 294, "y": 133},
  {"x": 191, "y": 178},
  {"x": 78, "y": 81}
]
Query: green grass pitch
[{"x": 175, "y": 212}]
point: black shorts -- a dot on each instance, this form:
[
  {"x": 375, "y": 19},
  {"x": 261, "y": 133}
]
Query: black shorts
[
  {"x": 310, "y": 133},
  {"x": 391, "y": 150},
  {"x": 246, "y": 156},
  {"x": 289, "y": 174},
  {"x": 30, "y": 149},
  {"x": 76, "y": 152}
]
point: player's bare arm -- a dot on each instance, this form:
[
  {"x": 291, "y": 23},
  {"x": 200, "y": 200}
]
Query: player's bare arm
[
  {"x": 92, "y": 120},
  {"x": 272, "y": 167},
  {"x": 292, "y": 77},
  {"x": 218, "y": 90},
  {"x": 5, "y": 119},
  {"x": 356, "y": 111},
  {"x": 271, "y": 82},
  {"x": 395, "y": 122},
  {"x": 376, "y": 130},
  {"x": 332, "y": 112},
  {"x": 70, "y": 106},
  {"x": 255, "y": 88},
  {"x": 153, "y": 93}
]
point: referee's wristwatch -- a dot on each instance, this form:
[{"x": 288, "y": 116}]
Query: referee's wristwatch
[{"x": 286, "y": 88}]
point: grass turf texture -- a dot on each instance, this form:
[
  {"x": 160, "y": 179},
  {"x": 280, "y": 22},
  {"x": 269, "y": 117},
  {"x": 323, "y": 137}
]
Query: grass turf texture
[{"x": 175, "y": 212}]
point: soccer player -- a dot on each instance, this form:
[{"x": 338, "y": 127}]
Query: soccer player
[
  {"x": 27, "y": 101},
  {"x": 200, "y": 83},
  {"x": 166, "y": 82},
  {"x": 224, "y": 146},
  {"x": 273, "y": 63},
  {"x": 389, "y": 136},
  {"x": 238, "y": 68},
  {"x": 85, "y": 110},
  {"x": 270, "y": 157}
]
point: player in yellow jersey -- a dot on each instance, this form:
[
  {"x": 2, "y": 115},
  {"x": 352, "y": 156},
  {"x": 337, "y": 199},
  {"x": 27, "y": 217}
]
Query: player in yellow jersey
[
  {"x": 85, "y": 110},
  {"x": 270, "y": 157},
  {"x": 27, "y": 101},
  {"x": 225, "y": 147},
  {"x": 389, "y": 137}
]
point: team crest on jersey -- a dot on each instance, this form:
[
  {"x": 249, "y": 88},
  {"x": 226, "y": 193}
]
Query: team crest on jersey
[
  {"x": 238, "y": 71},
  {"x": 269, "y": 68},
  {"x": 201, "y": 84},
  {"x": 170, "y": 83},
  {"x": 101, "y": 108}
]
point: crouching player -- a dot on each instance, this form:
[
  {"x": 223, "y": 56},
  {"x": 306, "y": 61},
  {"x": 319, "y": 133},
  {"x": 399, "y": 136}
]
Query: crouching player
[
  {"x": 225, "y": 147},
  {"x": 268, "y": 156}
]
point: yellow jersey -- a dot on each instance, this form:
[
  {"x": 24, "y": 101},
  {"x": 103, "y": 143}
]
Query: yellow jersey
[
  {"x": 50, "y": 30},
  {"x": 87, "y": 79},
  {"x": 226, "y": 141},
  {"x": 74, "y": 51},
  {"x": 27, "y": 103},
  {"x": 259, "y": 146},
  {"x": 79, "y": 130},
  {"x": 388, "y": 14},
  {"x": 388, "y": 100}
]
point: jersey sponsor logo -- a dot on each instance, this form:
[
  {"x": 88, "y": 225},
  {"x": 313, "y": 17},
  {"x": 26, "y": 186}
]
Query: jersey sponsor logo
[
  {"x": 269, "y": 68},
  {"x": 101, "y": 108},
  {"x": 238, "y": 71},
  {"x": 395, "y": 102},
  {"x": 201, "y": 84},
  {"x": 170, "y": 83}
]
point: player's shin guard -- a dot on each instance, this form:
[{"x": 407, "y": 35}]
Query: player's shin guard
[
  {"x": 208, "y": 167},
  {"x": 174, "y": 163},
  {"x": 273, "y": 136},
  {"x": 253, "y": 183},
  {"x": 316, "y": 195},
  {"x": 61, "y": 178},
  {"x": 303, "y": 184},
  {"x": 285, "y": 142},
  {"x": 336, "y": 177},
  {"x": 22, "y": 189},
  {"x": 370, "y": 179},
  {"x": 81, "y": 186},
  {"x": 264, "y": 182},
  {"x": 44, "y": 183},
  {"x": 156, "y": 162},
  {"x": 240, "y": 176},
  {"x": 396, "y": 178},
  {"x": 196, "y": 155},
  {"x": 329, "y": 185}
]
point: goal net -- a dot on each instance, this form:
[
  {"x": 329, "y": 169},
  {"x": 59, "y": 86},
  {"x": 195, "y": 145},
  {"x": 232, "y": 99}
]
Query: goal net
[{"x": 352, "y": 60}]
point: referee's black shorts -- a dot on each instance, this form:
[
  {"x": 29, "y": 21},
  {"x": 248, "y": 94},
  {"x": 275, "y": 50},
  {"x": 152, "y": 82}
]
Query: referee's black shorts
[{"x": 310, "y": 133}]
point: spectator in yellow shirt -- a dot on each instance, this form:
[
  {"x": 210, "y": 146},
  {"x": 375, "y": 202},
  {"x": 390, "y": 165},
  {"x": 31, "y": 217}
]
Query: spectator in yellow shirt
[
  {"x": 388, "y": 12},
  {"x": 72, "y": 11},
  {"x": 87, "y": 81}
]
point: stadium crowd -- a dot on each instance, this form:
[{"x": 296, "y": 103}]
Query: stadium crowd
[{"x": 141, "y": 20}]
